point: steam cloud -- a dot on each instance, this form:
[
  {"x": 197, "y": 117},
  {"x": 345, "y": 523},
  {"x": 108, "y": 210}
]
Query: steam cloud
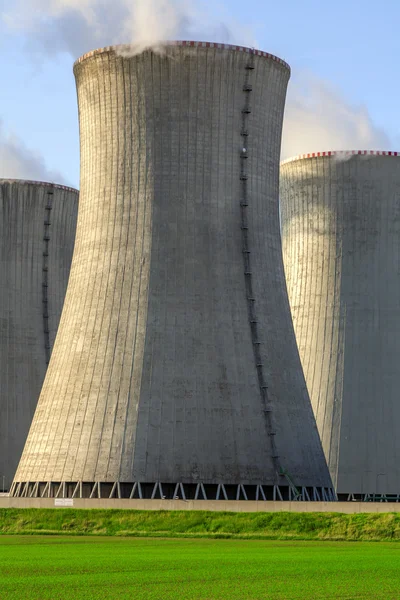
[
  {"x": 318, "y": 118},
  {"x": 19, "y": 162},
  {"x": 77, "y": 26}
]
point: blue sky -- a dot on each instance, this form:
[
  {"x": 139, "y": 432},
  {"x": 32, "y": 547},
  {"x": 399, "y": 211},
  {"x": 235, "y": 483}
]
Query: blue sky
[{"x": 344, "y": 58}]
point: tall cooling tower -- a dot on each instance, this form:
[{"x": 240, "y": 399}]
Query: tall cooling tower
[
  {"x": 341, "y": 242},
  {"x": 37, "y": 231},
  {"x": 176, "y": 371}
]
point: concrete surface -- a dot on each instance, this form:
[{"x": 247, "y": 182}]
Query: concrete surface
[
  {"x": 154, "y": 374},
  {"x": 24, "y": 329},
  {"x": 341, "y": 242},
  {"x": 216, "y": 505}
]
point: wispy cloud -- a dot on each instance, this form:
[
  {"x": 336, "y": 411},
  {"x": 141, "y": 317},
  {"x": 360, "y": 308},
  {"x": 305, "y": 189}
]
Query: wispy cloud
[
  {"x": 318, "y": 118},
  {"x": 17, "y": 161}
]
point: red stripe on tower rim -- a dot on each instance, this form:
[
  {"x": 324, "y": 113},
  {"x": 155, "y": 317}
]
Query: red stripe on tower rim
[
  {"x": 341, "y": 153},
  {"x": 57, "y": 186},
  {"x": 187, "y": 43}
]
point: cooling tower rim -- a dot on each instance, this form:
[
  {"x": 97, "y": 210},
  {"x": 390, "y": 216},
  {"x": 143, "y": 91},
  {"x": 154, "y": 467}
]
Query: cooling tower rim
[
  {"x": 188, "y": 44},
  {"x": 57, "y": 186},
  {"x": 340, "y": 154}
]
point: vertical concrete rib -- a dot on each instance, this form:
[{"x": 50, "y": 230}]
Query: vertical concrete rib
[
  {"x": 154, "y": 378},
  {"x": 341, "y": 235},
  {"x": 37, "y": 232}
]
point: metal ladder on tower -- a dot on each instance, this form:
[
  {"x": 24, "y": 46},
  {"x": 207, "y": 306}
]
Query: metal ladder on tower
[
  {"x": 45, "y": 269},
  {"x": 251, "y": 301},
  {"x": 295, "y": 490}
]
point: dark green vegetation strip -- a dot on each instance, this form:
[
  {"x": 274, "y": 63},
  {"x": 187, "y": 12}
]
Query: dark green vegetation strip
[
  {"x": 280, "y": 526},
  {"x": 65, "y": 568}
]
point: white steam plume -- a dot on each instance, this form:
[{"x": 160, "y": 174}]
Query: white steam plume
[
  {"x": 319, "y": 118},
  {"x": 19, "y": 162},
  {"x": 77, "y": 26}
]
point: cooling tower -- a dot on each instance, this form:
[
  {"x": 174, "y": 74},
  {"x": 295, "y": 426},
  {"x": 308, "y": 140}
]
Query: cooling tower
[
  {"x": 37, "y": 231},
  {"x": 176, "y": 371},
  {"x": 341, "y": 243}
]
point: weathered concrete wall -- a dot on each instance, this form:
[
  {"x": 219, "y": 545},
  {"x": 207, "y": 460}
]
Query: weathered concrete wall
[
  {"x": 32, "y": 285},
  {"x": 154, "y": 375},
  {"x": 341, "y": 242},
  {"x": 216, "y": 505}
]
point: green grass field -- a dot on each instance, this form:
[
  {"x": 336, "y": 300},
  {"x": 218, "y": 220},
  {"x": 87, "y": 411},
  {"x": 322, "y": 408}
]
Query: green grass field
[{"x": 64, "y": 568}]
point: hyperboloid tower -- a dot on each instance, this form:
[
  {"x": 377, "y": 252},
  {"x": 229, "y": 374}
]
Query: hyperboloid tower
[
  {"x": 341, "y": 241},
  {"x": 37, "y": 232},
  {"x": 176, "y": 371}
]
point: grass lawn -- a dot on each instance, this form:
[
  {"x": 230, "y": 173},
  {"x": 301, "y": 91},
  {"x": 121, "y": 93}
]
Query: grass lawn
[
  {"x": 63, "y": 568},
  {"x": 334, "y": 527}
]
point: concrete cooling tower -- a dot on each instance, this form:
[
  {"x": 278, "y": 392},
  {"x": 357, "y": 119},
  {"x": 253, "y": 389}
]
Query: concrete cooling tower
[
  {"x": 341, "y": 242},
  {"x": 176, "y": 371},
  {"x": 37, "y": 232}
]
